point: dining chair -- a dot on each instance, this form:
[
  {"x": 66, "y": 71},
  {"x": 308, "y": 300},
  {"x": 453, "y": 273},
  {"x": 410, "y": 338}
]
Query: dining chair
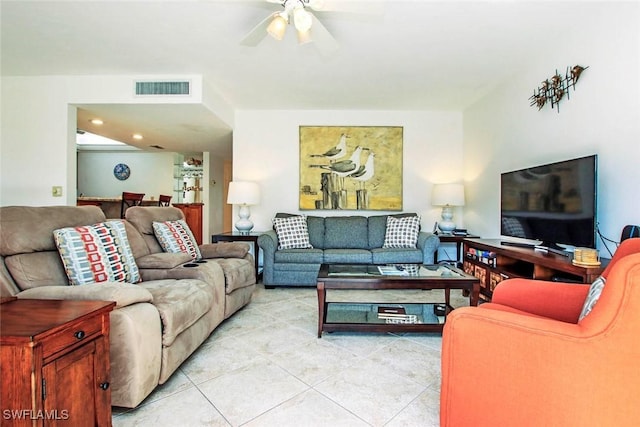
[
  {"x": 164, "y": 200},
  {"x": 128, "y": 200}
]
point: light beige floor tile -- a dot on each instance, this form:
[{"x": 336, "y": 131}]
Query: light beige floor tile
[
  {"x": 274, "y": 337},
  {"x": 410, "y": 360},
  {"x": 186, "y": 408},
  {"x": 177, "y": 382},
  {"x": 423, "y": 411},
  {"x": 360, "y": 343},
  {"x": 372, "y": 392},
  {"x": 217, "y": 357},
  {"x": 309, "y": 409},
  {"x": 314, "y": 361},
  {"x": 244, "y": 394}
]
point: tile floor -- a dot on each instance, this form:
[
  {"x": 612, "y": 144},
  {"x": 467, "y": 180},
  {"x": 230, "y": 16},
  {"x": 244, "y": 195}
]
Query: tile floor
[{"x": 265, "y": 366}]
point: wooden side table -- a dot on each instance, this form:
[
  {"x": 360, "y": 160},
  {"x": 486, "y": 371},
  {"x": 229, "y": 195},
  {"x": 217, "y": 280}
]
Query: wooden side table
[
  {"x": 55, "y": 362},
  {"x": 237, "y": 236},
  {"x": 458, "y": 240}
]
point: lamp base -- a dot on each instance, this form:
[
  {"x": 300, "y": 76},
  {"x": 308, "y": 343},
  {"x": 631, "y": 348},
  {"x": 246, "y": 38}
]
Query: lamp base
[
  {"x": 244, "y": 224},
  {"x": 447, "y": 225}
]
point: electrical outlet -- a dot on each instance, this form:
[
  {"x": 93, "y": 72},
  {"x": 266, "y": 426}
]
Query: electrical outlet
[{"x": 56, "y": 191}]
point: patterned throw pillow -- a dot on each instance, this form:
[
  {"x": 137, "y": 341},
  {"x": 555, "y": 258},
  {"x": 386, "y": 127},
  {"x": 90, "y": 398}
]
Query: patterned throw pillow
[
  {"x": 97, "y": 253},
  {"x": 402, "y": 232},
  {"x": 594, "y": 294},
  {"x": 292, "y": 232},
  {"x": 176, "y": 237}
]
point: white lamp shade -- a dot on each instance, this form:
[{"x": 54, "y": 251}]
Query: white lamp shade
[
  {"x": 243, "y": 193},
  {"x": 447, "y": 195}
]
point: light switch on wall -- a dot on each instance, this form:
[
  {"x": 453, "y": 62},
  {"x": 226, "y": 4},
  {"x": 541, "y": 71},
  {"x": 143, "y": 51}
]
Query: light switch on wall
[{"x": 56, "y": 191}]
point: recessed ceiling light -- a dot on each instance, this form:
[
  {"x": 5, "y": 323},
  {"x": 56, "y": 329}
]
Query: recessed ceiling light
[
  {"x": 137, "y": 136},
  {"x": 97, "y": 121}
]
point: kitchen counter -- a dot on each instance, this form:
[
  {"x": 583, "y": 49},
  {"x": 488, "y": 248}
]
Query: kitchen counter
[{"x": 110, "y": 205}]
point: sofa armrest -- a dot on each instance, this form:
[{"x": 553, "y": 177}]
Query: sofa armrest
[
  {"x": 123, "y": 294},
  {"x": 428, "y": 243},
  {"x": 268, "y": 242},
  {"x": 224, "y": 250},
  {"x": 554, "y": 300},
  {"x": 163, "y": 260}
]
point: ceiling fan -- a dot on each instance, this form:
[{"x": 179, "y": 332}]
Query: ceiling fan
[{"x": 308, "y": 27}]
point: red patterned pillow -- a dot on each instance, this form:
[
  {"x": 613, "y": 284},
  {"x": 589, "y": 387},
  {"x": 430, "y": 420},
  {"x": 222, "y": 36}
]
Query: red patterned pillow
[
  {"x": 97, "y": 253},
  {"x": 176, "y": 237}
]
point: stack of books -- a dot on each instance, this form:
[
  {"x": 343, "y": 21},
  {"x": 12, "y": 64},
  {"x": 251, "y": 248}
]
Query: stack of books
[{"x": 396, "y": 315}]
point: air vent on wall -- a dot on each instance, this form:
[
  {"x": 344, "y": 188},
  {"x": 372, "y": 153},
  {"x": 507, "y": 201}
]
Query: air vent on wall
[{"x": 163, "y": 88}]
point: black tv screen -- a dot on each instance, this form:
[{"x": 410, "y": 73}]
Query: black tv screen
[{"x": 553, "y": 203}]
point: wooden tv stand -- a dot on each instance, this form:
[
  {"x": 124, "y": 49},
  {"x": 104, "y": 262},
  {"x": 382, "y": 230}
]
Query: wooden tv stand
[{"x": 507, "y": 262}]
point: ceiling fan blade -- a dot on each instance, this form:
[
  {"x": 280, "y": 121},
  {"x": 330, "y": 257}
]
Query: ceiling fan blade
[
  {"x": 370, "y": 7},
  {"x": 323, "y": 40},
  {"x": 258, "y": 33}
]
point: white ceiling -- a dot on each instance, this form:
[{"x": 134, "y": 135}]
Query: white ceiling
[{"x": 415, "y": 55}]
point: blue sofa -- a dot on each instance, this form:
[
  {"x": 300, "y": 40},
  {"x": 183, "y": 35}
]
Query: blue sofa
[{"x": 339, "y": 239}]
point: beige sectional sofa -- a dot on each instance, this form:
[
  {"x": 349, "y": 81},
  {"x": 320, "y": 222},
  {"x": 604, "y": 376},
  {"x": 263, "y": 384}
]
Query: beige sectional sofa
[{"x": 157, "y": 322}]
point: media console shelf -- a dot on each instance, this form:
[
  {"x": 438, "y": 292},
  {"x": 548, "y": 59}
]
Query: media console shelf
[{"x": 491, "y": 261}]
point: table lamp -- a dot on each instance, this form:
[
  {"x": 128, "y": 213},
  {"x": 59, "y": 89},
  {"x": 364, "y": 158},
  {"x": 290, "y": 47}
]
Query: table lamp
[
  {"x": 244, "y": 194},
  {"x": 447, "y": 196}
]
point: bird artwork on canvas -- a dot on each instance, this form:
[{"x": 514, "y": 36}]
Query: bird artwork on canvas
[
  {"x": 337, "y": 152},
  {"x": 343, "y": 168},
  {"x": 356, "y": 167}
]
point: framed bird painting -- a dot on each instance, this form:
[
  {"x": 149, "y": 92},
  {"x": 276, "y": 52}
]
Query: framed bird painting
[{"x": 351, "y": 167}]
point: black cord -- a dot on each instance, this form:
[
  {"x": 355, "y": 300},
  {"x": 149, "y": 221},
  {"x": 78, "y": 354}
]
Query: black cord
[{"x": 605, "y": 240}]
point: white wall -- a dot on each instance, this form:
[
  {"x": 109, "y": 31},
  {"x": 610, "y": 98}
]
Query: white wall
[
  {"x": 38, "y": 132},
  {"x": 151, "y": 173},
  {"x": 266, "y": 150},
  {"x": 502, "y": 132}
]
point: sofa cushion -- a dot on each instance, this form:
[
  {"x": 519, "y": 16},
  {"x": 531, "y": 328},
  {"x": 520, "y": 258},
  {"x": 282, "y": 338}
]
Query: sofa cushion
[
  {"x": 238, "y": 273},
  {"x": 97, "y": 253},
  {"x": 292, "y": 232},
  {"x": 37, "y": 269},
  {"x": 402, "y": 232},
  {"x": 348, "y": 256},
  {"x": 180, "y": 304},
  {"x": 27, "y": 229},
  {"x": 396, "y": 255},
  {"x": 176, "y": 236},
  {"x": 312, "y": 256},
  {"x": 123, "y": 294},
  {"x": 346, "y": 232},
  {"x": 592, "y": 297}
]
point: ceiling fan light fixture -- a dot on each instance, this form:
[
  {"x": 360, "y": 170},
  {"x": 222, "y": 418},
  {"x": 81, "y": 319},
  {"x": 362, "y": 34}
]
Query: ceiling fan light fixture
[
  {"x": 302, "y": 19},
  {"x": 277, "y": 27},
  {"x": 304, "y": 37}
]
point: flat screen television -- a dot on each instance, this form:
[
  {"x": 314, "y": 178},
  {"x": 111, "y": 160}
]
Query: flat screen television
[{"x": 554, "y": 204}]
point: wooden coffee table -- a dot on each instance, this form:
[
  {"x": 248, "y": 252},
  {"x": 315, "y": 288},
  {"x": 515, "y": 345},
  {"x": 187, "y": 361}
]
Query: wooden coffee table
[{"x": 364, "y": 317}]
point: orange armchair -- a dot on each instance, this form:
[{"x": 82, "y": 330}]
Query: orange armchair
[{"x": 525, "y": 360}]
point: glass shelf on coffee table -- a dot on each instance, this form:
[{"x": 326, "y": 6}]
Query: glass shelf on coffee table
[{"x": 409, "y": 316}]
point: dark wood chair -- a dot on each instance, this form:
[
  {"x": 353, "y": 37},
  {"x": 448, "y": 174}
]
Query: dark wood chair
[
  {"x": 128, "y": 200},
  {"x": 164, "y": 200}
]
